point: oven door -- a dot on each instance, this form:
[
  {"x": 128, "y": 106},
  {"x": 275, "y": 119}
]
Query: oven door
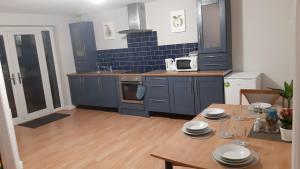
[
  {"x": 183, "y": 64},
  {"x": 129, "y": 92}
]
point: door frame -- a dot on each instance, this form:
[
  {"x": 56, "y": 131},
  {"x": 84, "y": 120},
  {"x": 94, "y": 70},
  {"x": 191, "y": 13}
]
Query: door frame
[{"x": 43, "y": 63}]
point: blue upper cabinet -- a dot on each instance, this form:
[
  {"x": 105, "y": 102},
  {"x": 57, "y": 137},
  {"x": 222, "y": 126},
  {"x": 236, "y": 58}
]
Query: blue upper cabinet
[
  {"x": 182, "y": 95},
  {"x": 208, "y": 90},
  {"x": 84, "y": 46},
  {"x": 214, "y": 34}
]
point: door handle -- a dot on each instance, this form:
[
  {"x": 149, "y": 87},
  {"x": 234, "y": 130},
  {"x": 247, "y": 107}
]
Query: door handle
[
  {"x": 13, "y": 79},
  {"x": 20, "y": 77}
]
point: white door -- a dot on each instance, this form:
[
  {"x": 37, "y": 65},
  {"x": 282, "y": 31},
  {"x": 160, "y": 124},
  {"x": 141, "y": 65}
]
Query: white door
[{"x": 26, "y": 74}]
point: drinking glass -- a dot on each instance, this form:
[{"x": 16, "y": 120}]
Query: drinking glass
[
  {"x": 240, "y": 132},
  {"x": 224, "y": 131}
]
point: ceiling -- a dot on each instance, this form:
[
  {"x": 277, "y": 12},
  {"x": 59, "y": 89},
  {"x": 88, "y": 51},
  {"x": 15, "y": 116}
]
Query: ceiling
[{"x": 61, "y": 7}]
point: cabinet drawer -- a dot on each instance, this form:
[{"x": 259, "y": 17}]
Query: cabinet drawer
[
  {"x": 213, "y": 66},
  {"x": 158, "y": 105},
  {"x": 158, "y": 90},
  {"x": 214, "y": 57},
  {"x": 157, "y": 80}
]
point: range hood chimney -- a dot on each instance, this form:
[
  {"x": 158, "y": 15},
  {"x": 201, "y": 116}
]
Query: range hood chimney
[{"x": 136, "y": 19}]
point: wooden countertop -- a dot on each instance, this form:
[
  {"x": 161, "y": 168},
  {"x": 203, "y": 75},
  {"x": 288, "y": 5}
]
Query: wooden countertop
[
  {"x": 188, "y": 152},
  {"x": 199, "y": 73},
  {"x": 156, "y": 73}
]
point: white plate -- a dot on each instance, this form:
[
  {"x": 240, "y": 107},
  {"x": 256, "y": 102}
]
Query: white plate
[
  {"x": 214, "y": 117},
  {"x": 213, "y": 111},
  {"x": 259, "y": 105},
  {"x": 196, "y": 126},
  {"x": 207, "y": 131},
  {"x": 233, "y": 152},
  {"x": 254, "y": 158}
]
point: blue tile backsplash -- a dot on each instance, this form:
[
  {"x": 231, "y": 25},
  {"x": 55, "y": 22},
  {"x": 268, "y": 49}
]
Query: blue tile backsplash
[{"x": 143, "y": 54}]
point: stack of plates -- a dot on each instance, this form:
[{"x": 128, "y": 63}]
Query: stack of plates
[
  {"x": 214, "y": 113},
  {"x": 196, "y": 128},
  {"x": 258, "y": 107},
  {"x": 234, "y": 156}
]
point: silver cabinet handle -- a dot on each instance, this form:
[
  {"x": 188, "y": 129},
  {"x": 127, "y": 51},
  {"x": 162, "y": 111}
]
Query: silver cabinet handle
[
  {"x": 13, "y": 79},
  {"x": 158, "y": 86},
  {"x": 212, "y": 64},
  {"x": 98, "y": 81},
  {"x": 20, "y": 77},
  {"x": 210, "y": 56},
  {"x": 159, "y": 100},
  {"x": 196, "y": 86}
]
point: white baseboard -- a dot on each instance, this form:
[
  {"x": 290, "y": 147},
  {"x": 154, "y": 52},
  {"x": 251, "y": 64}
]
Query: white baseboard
[
  {"x": 69, "y": 107},
  {"x": 20, "y": 166}
]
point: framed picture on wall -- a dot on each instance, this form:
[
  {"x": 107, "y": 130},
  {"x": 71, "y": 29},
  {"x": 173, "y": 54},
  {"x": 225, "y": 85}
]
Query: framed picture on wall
[
  {"x": 109, "y": 31},
  {"x": 178, "y": 21}
]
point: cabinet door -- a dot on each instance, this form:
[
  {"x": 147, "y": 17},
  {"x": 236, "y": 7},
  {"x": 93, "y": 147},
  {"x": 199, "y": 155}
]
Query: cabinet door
[
  {"x": 87, "y": 29},
  {"x": 108, "y": 92},
  {"x": 91, "y": 91},
  {"x": 76, "y": 90},
  {"x": 77, "y": 41},
  {"x": 182, "y": 95},
  {"x": 84, "y": 46},
  {"x": 212, "y": 26},
  {"x": 208, "y": 90}
]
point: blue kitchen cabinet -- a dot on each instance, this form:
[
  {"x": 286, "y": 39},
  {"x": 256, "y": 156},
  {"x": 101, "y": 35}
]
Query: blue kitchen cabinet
[
  {"x": 208, "y": 90},
  {"x": 108, "y": 91},
  {"x": 182, "y": 98},
  {"x": 77, "y": 90},
  {"x": 94, "y": 91},
  {"x": 158, "y": 94},
  {"x": 84, "y": 46},
  {"x": 214, "y": 35}
]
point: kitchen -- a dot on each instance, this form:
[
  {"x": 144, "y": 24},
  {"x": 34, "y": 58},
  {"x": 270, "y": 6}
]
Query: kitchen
[{"x": 128, "y": 72}]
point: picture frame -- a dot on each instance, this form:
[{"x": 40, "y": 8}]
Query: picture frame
[
  {"x": 109, "y": 31},
  {"x": 178, "y": 21}
]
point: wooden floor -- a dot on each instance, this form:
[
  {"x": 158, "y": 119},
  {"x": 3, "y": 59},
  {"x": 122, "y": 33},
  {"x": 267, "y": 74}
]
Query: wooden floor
[{"x": 93, "y": 139}]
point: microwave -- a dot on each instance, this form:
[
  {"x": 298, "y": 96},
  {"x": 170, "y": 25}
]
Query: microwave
[{"x": 188, "y": 63}]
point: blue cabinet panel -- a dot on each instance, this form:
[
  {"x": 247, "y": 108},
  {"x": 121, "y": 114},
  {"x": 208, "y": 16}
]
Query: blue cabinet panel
[
  {"x": 108, "y": 92},
  {"x": 208, "y": 90},
  {"x": 84, "y": 46},
  {"x": 94, "y": 91},
  {"x": 182, "y": 95}
]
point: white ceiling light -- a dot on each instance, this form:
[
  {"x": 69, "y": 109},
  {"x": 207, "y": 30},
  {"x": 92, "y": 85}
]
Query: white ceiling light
[{"x": 97, "y": 1}]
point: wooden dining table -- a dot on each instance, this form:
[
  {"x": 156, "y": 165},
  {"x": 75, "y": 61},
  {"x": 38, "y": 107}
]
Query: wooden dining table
[{"x": 185, "y": 151}]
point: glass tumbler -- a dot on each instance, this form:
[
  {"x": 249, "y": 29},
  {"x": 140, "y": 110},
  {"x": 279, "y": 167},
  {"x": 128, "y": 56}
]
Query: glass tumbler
[
  {"x": 224, "y": 131},
  {"x": 240, "y": 132}
]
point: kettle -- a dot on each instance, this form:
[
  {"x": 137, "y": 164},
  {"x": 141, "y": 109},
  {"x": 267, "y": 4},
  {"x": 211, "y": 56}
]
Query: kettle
[{"x": 170, "y": 64}]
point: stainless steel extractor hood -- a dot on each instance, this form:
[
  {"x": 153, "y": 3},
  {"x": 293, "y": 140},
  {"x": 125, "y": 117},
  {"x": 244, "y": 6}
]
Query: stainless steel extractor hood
[{"x": 136, "y": 19}]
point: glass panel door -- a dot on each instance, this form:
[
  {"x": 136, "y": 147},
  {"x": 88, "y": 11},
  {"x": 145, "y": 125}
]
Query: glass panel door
[
  {"x": 30, "y": 74},
  {"x": 212, "y": 26},
  {"x": 28, "y": 65},
  {"x": 9, "y": 78}
]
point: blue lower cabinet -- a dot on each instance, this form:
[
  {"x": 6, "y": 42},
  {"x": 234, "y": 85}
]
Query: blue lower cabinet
[
  {"x": 108, "y": 92},
  {"x": 208, "y": 90},
  {"x": 94, "y": 91},
  {"x": 76, "y": 90},
  {"x": 182, "y": 98}
]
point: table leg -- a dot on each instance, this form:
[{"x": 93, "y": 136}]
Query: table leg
[{"x": 168, "y": 165}]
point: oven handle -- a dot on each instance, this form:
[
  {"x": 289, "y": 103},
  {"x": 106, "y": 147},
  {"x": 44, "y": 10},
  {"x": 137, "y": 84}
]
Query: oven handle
[{"x": 130, "y": 82}]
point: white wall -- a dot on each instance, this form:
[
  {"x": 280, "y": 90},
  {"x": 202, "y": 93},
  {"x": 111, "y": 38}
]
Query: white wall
[
  {"x": 120, "y": 20},
  {"x": 268, "y": 29},
  {"x": 62, "y": 37},
  {"x": 158, "y": 18},
  {"x": 296, "y": 122}
]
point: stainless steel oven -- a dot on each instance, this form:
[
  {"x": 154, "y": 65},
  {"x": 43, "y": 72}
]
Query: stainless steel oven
[{"x": 129, "y": 85}]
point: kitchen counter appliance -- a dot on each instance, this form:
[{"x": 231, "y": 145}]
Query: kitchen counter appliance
[{"x": 129, "y": 87}]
